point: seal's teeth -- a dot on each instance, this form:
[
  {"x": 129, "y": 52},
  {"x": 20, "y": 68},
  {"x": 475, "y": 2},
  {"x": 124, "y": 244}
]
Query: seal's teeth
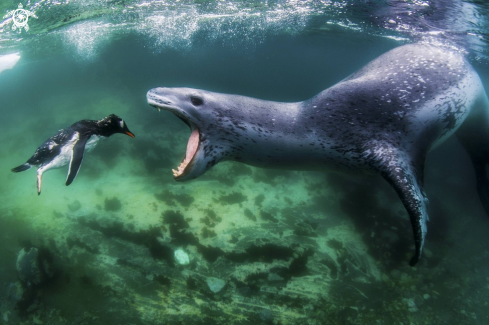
[
  {"x": 159, "y": 109},
  {"x": 179, "y": 171}
]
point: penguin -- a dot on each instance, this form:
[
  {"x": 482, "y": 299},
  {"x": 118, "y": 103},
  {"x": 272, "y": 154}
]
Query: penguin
[{"x": 69, "y": 145}]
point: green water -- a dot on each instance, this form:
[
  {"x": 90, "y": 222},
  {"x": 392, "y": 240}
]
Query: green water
[{"x": 292, "y": 247}]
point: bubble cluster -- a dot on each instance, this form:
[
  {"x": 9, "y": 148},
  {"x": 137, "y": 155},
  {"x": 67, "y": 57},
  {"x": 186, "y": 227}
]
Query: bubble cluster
[
  {"x": 86, "y": 26},
  {"x": 87, "y": 37},
  {"x": 228, "y": 21}
]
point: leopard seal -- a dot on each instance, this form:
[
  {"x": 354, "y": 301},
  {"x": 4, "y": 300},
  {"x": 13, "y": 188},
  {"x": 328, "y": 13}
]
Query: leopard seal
[{"x": 384, "y": 118}]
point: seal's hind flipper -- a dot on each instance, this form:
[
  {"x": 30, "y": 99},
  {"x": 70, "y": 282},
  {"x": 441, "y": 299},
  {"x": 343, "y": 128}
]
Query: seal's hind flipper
[
  {"x": 76, "y": 159},
  {"x": 405, "y": 176},
  {"x": 403, "y": 179}
]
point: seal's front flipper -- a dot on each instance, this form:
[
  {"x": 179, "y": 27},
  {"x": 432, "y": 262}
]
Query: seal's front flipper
[
  {"x": 76, "y": 159},
  {"x": 406, "y": 177}
]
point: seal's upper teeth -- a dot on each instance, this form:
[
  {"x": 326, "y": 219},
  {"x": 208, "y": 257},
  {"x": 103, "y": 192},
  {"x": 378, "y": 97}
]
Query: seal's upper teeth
[{"x": 159, "y": 109}]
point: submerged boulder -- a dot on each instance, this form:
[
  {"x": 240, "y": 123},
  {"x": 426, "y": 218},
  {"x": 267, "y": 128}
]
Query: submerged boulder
[
  {"x": 215, "y": 284},
  {"x": 34, "y": 266},
  {"x": 28, "y": 266}
]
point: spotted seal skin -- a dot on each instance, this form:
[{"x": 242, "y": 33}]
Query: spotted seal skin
[{"x": 384, "y": 118}]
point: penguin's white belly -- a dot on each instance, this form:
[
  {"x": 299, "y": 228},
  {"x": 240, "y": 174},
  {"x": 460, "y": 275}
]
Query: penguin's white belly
[
  {"x": 66, "y": 152},
  {"x": 92, "y": 142},
  {"x": 64, "y": 156}
]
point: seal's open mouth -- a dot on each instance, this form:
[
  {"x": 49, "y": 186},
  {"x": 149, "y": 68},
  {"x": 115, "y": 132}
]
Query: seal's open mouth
[
  {"x": 188, "y": 160},
  {"x": 193, "y": 142}
]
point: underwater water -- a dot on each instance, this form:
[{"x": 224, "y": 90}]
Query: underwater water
[{"x": 264, "y": 246}]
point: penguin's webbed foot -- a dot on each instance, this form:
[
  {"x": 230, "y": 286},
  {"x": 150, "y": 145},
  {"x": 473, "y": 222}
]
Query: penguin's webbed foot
[{"x": 39, "y": 182}]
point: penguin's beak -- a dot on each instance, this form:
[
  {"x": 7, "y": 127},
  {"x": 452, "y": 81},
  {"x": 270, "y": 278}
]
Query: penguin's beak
[{"x": 125, "y": 130}]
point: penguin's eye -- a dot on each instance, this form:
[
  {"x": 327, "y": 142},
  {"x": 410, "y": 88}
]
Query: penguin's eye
[
  {"x": 196, "y": 101},
  {"x": 121, "y": 123}
]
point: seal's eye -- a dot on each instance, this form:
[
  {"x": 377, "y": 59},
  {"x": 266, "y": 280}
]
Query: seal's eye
[{"x": 196, "y": 101}]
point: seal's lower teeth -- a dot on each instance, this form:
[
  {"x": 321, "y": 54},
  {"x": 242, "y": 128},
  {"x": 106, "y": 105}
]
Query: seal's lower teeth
[
  {"x": 192, "y": 147},
  {"x": 180, "y": 169}
]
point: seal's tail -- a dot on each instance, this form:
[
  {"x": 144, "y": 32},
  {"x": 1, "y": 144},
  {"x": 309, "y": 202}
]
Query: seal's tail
[{"x": 21, "y": 168}]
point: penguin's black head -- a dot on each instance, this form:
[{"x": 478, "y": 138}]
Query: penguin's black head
[{"x": 113, "y": 124}]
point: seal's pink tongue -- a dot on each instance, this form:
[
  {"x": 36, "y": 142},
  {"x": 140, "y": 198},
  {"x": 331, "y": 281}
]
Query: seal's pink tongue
[{"x": 193, "y": 144}]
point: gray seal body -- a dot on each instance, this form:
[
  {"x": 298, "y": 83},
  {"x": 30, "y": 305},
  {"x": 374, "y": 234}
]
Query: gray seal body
[{"x": 384, "y": 118}]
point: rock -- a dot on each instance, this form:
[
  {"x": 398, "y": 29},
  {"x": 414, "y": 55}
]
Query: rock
[
  {"x": 20, "y": 296},
  {"x": 36, "y": 320},
  {"x": 396, "y": 274},
  {"x": 5, "y": 316},
  {"x": 34, "y": 266},
  {"x": 28, "y": 266},
  {"x": 16, "y": 291},
  {"x": 113, "y": 204},
  {"x": 410, "y": 304},
  {"x": 266, "y": 315},
  {"x": 215, "y": 284},
  {"x": 76, "y": 205},
  {"x": 245, "y": 291},
  {"x": 274, "y": 277},
  {"x": 182, "y": 257}
]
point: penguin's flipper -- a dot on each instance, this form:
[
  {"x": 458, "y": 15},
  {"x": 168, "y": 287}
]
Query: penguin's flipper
[
  {"x": 405, "y": 175},
  {"x": 76, "y": 159}
]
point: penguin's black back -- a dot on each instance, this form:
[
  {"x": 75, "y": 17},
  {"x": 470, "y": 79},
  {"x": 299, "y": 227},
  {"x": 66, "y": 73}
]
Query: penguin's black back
[{"x": 50, "y": 148}]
